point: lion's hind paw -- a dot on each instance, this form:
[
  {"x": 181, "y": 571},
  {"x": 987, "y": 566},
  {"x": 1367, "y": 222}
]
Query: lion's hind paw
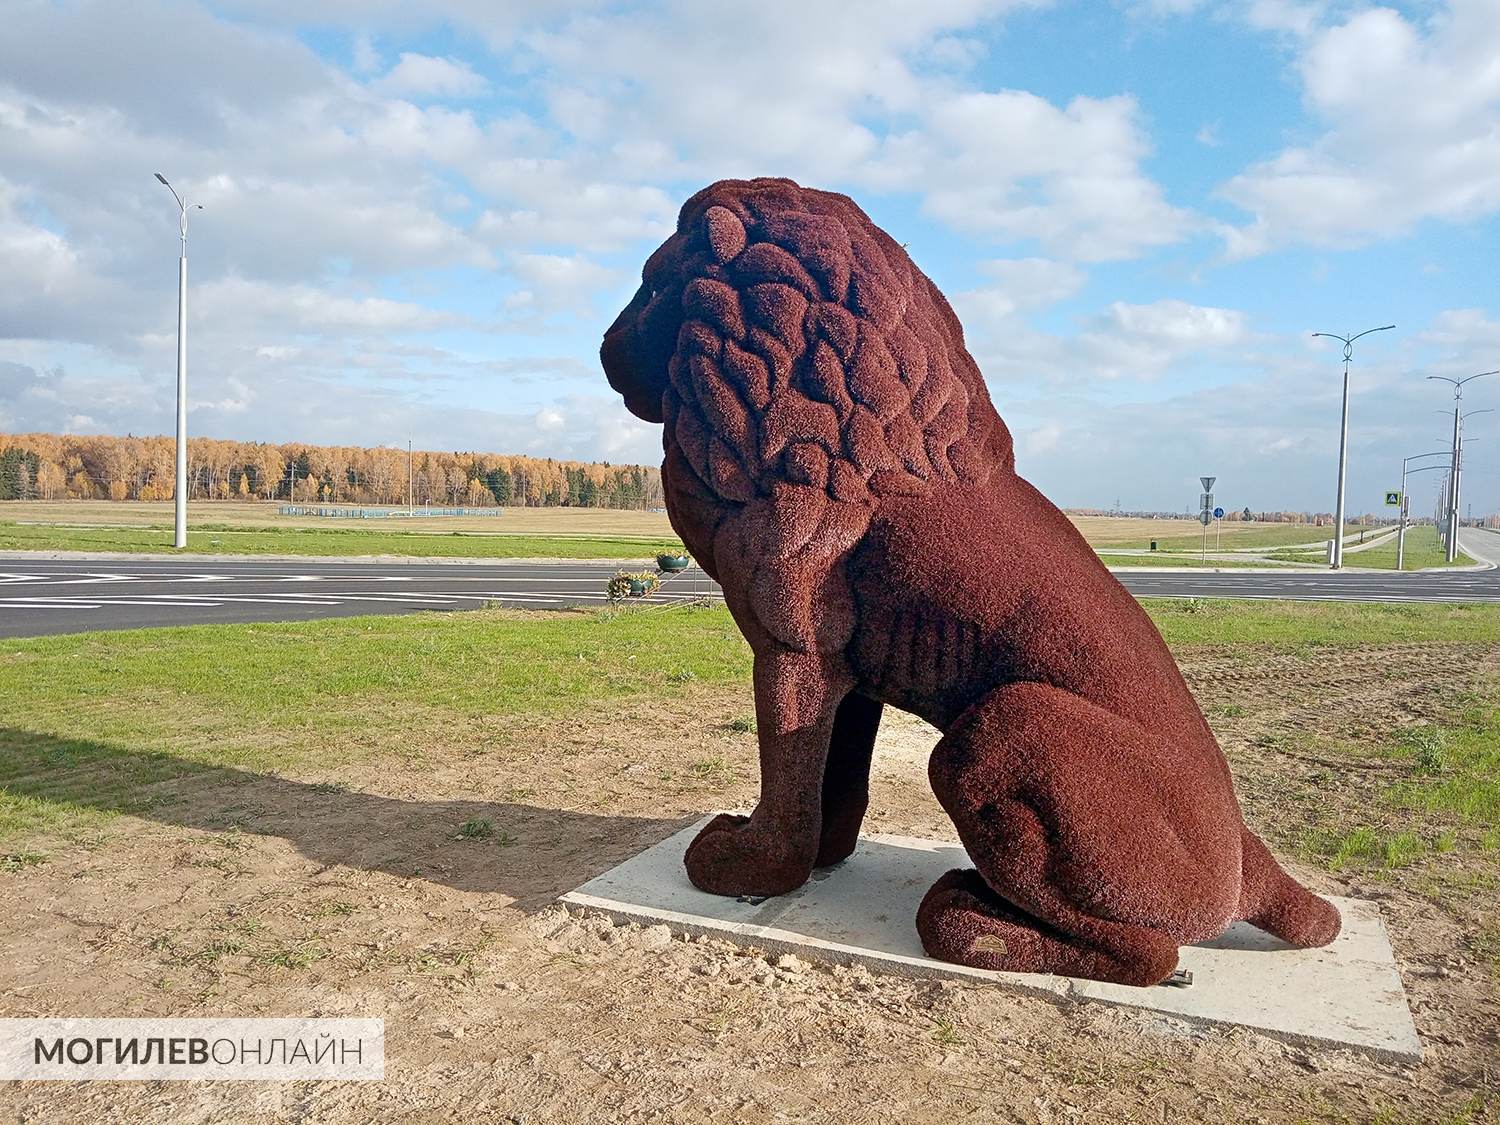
[{"x": 964, "y": 921}]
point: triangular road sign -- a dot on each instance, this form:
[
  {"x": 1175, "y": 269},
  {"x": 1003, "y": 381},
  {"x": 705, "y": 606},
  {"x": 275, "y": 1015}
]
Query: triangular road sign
[{"x": 1208, "y": 483}]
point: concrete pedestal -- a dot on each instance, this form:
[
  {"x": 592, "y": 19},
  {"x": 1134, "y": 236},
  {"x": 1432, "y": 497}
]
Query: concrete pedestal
[{"x": 1348, "y": 994}]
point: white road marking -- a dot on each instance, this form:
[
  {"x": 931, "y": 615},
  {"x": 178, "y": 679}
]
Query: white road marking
[
  {"x": 212, "y": 601},
  {"x": 24, "y": 605}
]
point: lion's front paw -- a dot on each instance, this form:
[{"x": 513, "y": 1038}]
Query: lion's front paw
[{"x": 734, "y": 855}]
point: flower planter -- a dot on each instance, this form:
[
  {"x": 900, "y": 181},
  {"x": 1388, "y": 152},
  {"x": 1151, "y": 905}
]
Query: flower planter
[
  {"x": 637, "y": 588},
  {"x": 672, "y": 564}
]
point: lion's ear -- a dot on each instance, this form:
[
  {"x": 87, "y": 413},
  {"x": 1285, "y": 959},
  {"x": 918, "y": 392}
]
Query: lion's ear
[{"x": 726, "y": 234}]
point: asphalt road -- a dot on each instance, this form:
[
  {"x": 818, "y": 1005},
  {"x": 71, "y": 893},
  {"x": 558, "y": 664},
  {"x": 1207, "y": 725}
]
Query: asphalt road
[
  {"x": 69, "y": 596},
  {"x": 40, "y": 596}
]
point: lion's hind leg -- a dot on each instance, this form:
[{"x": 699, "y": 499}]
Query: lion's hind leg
[
  {"x": 1101, "y": 851},
  {"x": 963, "y": 921},
  {"x": 846, "y": 777}
]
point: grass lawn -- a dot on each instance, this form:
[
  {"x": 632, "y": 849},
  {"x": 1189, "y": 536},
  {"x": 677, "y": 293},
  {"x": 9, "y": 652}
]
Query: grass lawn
[
  {"x": 1185, "y": 535},
  {"x": 91, "y": 721},
  {"x": 216, "y": 540},
  {"x": 1423, "y": 550},
  {"x": 1174, "y": 559},
  {"x": 1290, "y": 624},
  {"x": 1450, "y": 780}
]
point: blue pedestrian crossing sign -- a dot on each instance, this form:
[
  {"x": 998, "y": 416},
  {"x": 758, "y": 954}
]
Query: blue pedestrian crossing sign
[{"x": 1392, "y": 499}]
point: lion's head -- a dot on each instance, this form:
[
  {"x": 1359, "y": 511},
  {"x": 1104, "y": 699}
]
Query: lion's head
[{"x": 784, "y": 337}]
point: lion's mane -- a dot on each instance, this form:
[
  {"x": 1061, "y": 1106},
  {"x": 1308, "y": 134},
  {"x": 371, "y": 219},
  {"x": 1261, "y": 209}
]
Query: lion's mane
[{"x": 815, "y": 371}]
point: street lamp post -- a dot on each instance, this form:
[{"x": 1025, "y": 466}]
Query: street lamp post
[
  {"x": 1454, "y": 490},
  {"x": 1463, "y": 444},
  {"x": 1338, "y": 516},
  {"x": 1401, "y": 519},
  {"x": 180, "y": 486}
]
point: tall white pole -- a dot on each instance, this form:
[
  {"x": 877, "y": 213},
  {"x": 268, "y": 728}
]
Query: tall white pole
[
  {"x": 1401, "y": 523},
  {"x": 1338, "y": 514},
  {"x": 1336, "y": 557},
  {"x": 179, "y": 535},
  {"x": 1452, "y": 552},
  {"x": 180, "y": 485},
  {"x": 1449, "y": 515}
]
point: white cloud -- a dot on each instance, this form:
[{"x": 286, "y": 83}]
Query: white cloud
[
  {"x": 1464, "y": 329},
  {"x": 556, "y": 202},
  {"x": 1177, "y": 324},
  {"x": 1289, "y": 16},
  {"x": 1018, "y": 284},
  {"x": 417, "y": 74},
  {"x": 1124, "y": 340},
  {"x": 1166, "y": 7},
  {"x": 691, "y": 91},
  {"x": 1144, "y": 341},
  {"x": 1410, "y": 112},
  {"x": 235, "y": 304},
  {"x": 366, "y": 56},
  {"x": 555, "y": 285},
  {"x": 1040, "y": 439},
  {"x": 1014, "y": 166}
]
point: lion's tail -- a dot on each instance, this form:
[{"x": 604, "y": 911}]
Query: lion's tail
[{"x": 1275, "y": 902}]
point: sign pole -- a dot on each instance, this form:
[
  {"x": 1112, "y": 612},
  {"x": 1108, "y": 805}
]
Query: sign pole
[{"x": 1206, "y": 514}]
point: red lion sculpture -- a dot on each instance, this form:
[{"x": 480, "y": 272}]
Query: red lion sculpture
[{"x": 833, "y": 460}]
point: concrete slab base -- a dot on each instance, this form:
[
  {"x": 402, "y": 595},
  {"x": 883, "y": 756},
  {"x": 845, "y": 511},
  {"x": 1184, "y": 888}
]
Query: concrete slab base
[{"x": 1346, "y": 995}]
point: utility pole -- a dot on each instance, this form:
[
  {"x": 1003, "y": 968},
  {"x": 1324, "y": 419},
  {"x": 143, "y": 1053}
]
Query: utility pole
[
  {"x": 1337, "y": 559},
  {"x": 411, "y": 505},
  {"x": 180, "y": 487},
  {"x": 1455, "y": 489}
]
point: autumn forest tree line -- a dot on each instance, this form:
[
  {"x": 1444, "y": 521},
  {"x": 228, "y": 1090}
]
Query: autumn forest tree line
[{"x": 67, "y": 466}]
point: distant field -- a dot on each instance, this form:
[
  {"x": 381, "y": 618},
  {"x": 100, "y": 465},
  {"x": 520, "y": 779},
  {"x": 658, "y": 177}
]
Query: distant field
[
  {"x": 256, "y": 528},
  {"x": 250, "y": 514},
  {"x": 332, "y": 541},
  {"x": 530, "y": 521}
]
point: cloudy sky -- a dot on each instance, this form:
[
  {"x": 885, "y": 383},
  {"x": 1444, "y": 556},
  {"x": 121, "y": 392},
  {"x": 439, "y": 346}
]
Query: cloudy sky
[{"x": 419, "y": 218}]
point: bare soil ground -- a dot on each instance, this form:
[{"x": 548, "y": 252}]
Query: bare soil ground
[{"x": 354, "y": 894}]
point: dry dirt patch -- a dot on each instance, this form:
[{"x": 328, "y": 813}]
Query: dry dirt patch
[{"x": 363, "y": 893}]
